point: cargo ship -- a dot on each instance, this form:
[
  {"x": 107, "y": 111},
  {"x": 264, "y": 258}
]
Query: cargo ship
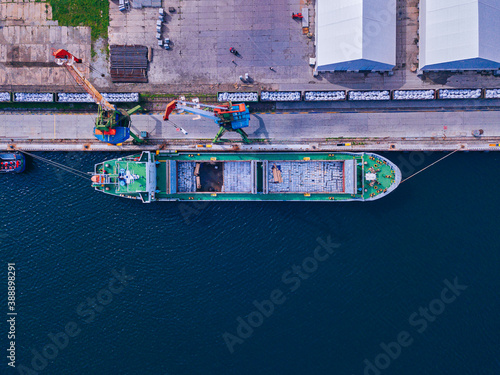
[{"x": 304, "y": 176}]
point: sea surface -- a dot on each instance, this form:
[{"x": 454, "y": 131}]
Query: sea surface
[{"x": 408, "y": 284}]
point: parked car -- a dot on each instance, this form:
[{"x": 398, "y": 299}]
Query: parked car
[
  {"x": 158, "y": 36},
  {"x": 160, "y": 42}
]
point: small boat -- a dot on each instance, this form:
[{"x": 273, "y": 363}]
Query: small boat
[{"x": 12, "y": 162}]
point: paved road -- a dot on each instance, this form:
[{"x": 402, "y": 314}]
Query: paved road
[{"x": 283, "y": 127}]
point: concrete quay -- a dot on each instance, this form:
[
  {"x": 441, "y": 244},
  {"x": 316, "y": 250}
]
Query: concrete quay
[
  {"x": 423, "y": 145},
  {"x": 375, "y": 131}
]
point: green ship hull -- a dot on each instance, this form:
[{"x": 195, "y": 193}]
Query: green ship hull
[{"x": 294, "y": 176}]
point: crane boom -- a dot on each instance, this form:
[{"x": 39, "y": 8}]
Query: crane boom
[
  {"x": 229, "y": 117},
  {"x": 65, "y": 58},
  {"x": 180, "y": 105},
  {"x": 112, "y": 124},
  {"x": 185, "y": 103}
]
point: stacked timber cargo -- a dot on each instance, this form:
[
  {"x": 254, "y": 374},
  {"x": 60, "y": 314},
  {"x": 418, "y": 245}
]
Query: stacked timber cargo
[{"x": 129, "y": 64}]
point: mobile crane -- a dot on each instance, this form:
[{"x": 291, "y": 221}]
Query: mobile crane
[
  {"x": 229, "y": 117},
  {"x": 112, "y": 124}
]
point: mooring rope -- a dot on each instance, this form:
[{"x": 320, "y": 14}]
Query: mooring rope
[
  {"x": 74, "y": 171},
  {"x": 444, "y": 157}
]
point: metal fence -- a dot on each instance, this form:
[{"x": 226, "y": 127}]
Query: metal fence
[
  {"x": 280, "y": 96},
  {"x": 237, "y": 96},
  {"x": 369, "y": 95},
  {"x": 271, "y": 96},
  {"x": 413, "y": 94},
  {"x": 324, "y": 96},
  {"x": 459, "y": 93},
  {"x": 30, "y": 97},
  {"x": 5, "y": 97}
]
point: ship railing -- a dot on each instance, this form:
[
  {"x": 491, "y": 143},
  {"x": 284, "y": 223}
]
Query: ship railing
[
  {"x": 145, "y": 197},
  {"x": 253, "y": 170},
  {"x": 106, "y": 180},
  {"x": 265, "y": 168}
]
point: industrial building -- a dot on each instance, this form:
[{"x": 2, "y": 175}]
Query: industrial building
[
  {"x": 459, "y": 35},
  {"x": 355, "y": 35}
]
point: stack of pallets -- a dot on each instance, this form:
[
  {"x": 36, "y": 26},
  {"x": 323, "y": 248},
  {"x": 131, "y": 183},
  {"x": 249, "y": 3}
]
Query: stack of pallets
[
  {"x": 129, "y": 64},
  {"x": 277, "y": 174}
]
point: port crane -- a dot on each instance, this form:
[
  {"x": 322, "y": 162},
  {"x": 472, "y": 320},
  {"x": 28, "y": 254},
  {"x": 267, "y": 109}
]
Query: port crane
[
  {"x": 229, "y": 117},
  {"x": 112, "y": 124}
]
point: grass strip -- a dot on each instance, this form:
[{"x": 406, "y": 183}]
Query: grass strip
[{"x": 93, "y": 13}]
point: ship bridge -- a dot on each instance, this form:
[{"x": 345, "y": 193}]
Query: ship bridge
[{"x": 131, "y": 177}]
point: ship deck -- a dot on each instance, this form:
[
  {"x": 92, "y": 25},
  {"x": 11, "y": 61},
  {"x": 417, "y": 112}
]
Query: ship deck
[
  {"x": 131, "y": 177},
  {"x": 277, "y": 176},
  {"x": 388, "y": 176},
  {"x": 125, "y": 171}
]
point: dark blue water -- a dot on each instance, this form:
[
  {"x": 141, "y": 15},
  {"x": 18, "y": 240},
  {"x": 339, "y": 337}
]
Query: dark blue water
[{"x": 197, "y": 271}]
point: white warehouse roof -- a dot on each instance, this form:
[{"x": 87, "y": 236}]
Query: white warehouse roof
[
  {"x": 459, "y": 34},
  {"x": 355, "y": 35}
]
